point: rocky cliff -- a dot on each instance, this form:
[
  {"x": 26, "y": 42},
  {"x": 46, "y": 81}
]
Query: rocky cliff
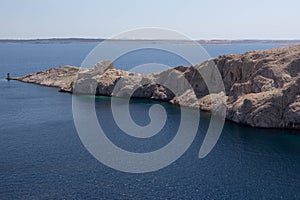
[{"x": 262, "y": 88}]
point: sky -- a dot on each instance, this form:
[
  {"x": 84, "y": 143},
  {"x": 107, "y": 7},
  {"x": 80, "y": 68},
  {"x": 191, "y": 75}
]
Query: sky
[{"x": 197, "y": 19}]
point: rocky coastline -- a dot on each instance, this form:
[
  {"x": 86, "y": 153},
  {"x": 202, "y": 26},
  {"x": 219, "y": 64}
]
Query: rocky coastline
[{"x": 262, "y": 88}]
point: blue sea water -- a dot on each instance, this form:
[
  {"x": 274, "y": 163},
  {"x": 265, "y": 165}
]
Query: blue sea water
[{"x": 42, "y": 157}]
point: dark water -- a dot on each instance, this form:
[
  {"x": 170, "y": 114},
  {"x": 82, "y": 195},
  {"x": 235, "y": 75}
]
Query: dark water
[{"x": 42, "y": 157}]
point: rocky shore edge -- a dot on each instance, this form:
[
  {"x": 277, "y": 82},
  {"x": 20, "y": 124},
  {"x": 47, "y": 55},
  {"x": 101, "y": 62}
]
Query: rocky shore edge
[{"x": 262, "y": 88}]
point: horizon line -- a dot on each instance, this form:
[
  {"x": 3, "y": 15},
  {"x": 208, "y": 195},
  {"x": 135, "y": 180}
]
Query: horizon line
[{"x": 154, "y": 39}]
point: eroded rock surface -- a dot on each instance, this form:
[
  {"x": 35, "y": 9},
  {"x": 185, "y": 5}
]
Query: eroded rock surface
[{"x": 262, "y": 88}]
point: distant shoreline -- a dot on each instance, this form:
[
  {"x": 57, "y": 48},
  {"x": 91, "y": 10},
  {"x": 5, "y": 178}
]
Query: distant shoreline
[{"x": 96, "y": 41}]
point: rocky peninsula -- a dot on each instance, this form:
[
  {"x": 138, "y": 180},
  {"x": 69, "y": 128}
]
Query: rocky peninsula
[{"x": 262, "y": 88}]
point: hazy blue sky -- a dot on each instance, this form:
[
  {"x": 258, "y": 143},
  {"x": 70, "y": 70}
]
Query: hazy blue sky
[{"x": 198, "y": 19}]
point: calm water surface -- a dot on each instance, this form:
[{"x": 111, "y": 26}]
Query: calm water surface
[{"x": 42, "y": 157}]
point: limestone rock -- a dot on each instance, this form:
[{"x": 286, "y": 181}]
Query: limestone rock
[{"x": 262, "y": 88}]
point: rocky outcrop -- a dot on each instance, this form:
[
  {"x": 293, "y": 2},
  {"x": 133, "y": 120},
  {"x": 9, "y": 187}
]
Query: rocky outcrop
[
  {"x": 61, "y": 77},
  {"x": 262, "y": 88}
]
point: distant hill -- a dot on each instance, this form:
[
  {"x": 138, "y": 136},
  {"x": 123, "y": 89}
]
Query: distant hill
[
  {"x": 50, "y": 41},
  {"x": 95, "y": 41}
]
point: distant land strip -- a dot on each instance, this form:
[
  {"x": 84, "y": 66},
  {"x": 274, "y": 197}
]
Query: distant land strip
[{"x": 95, "y": 41}]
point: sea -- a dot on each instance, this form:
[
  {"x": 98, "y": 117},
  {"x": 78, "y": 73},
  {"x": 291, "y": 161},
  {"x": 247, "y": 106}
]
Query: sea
[{"x": 42, "y": 156}]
